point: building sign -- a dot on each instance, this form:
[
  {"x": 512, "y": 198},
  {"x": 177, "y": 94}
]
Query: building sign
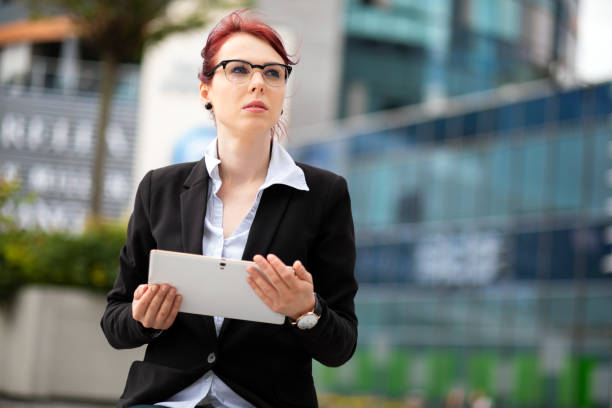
[
  {"x": 47, "y": 141},
  {"x": 469, "y": 258}
]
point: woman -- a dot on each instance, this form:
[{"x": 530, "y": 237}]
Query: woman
[{"x": 246, "y": 199}]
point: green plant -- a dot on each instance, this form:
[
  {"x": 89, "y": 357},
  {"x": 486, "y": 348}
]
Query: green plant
[{"x": 87, "y": 260}]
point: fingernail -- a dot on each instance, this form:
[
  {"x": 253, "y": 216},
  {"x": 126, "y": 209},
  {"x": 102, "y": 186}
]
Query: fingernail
[
  {"x": 270, "y": 257},
  {"x": 154, "y": 288}
]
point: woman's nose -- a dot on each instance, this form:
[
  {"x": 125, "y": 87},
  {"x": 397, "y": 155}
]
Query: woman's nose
[{"x": 257, "y": 81}]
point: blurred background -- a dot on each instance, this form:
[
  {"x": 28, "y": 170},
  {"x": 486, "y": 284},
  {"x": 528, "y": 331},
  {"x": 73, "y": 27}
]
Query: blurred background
[{"x": 475, "y": 136}]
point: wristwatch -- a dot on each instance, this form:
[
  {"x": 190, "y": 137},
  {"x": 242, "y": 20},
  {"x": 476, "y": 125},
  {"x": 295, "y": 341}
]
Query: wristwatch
[{"x": 310, "y": 319}]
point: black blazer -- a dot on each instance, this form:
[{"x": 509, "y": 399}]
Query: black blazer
[{"x": 268, "y": 365}]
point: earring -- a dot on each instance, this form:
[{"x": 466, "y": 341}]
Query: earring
[
  {"x": 282, "y": 111},
  {"x": 208, "y": 106}
]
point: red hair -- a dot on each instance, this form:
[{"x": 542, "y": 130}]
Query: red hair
[{"x": 238, "y": 22}]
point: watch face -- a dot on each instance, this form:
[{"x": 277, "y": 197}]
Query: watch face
[{"x": 307, "y": 322}]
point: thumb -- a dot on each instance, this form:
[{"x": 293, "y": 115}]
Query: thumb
[{"x": 301, "y": 272}]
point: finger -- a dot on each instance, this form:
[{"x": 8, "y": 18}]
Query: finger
[
  {"x": 284, "y": 272},
  {"x": 269, "y": 272},
  {"x": 178, "y": 299},
  {"x": 301, "y": 272},
  {"x": 166, "y": 307},
  {"x": 261, "y": 280},
  {"x": 140, "y": 306},
  {"x": 140, "y": 290},
  {"x": 153, "y": 309},
  {"x": 259, "y": 292}
]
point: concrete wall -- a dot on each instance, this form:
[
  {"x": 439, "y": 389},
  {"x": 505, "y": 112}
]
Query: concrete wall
[
  {"x": 318, "y": 39},
  {"x": 51, "y": 346}
]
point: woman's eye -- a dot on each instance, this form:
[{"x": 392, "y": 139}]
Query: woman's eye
[
  {"x": 273, "y": 72},
  {"x": 242, "y": 70}
]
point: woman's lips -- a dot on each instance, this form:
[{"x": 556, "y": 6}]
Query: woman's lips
[
  {"x": 256, "y": 106},
  {"x": 256, "y": 109}
]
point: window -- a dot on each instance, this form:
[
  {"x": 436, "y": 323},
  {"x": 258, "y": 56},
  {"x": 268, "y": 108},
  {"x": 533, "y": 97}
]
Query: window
[
  {"x": 499, "y": 178},
  {"x": 534, "y": 186},
  {"x": 568, "y": 174}
]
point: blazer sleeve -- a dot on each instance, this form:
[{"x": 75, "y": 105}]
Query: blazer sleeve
[
  {"x": 333, "y": 340},
  {"x": 118, "y": 325}
]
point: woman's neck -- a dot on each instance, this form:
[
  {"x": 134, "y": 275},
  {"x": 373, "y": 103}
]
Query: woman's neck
[{"x": 243, "y": 159}]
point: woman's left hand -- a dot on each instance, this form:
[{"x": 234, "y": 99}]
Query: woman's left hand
[{"x": 284, "y": 291}]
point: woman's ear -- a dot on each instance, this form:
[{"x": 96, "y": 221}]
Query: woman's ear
[{"x": 204, "y": 94}]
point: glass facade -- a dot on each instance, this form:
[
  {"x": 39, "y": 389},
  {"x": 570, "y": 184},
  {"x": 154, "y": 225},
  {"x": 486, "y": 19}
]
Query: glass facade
[
  {"x": 482, "y": 242},
  {"x": 401, "y": 52}
]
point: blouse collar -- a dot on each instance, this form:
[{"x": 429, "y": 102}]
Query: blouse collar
[{"x": 281, "y": 170}]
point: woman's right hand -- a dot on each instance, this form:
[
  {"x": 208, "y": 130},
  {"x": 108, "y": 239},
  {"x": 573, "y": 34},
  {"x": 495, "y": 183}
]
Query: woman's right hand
[{"x": 156, "y": 306}]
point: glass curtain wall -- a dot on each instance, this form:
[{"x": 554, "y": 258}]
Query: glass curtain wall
[{"x": 483, "y": 240}]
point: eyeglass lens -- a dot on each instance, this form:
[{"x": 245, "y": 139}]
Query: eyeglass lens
[{"x": 240, "y": 72}]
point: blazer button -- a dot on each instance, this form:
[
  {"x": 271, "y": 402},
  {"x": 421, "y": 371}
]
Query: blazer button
[{"x": 211, "y": 358}]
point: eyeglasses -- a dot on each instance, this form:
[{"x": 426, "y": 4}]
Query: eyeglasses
[{"x": 240, "y": 72}]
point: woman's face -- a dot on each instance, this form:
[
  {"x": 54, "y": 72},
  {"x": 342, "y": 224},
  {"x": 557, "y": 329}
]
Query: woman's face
[{"x": 230, "y": 101}]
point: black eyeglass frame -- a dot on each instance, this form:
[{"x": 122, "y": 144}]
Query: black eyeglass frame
[{"x": 253, "y": 66}]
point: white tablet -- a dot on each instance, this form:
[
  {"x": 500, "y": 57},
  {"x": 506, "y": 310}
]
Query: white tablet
[{"x": 211, "y": 286}]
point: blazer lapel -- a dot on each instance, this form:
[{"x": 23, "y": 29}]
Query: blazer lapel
[
  {"x": 193, "y": 212},
  {"x": 270, "y": 212},
  {"x": 193, "y": 208}
]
